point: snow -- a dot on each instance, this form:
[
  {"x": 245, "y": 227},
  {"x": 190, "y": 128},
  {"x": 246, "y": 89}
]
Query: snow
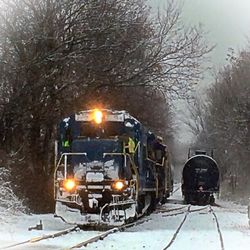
[
  {"x": 94, "y": 177},
  {"x": 198, "y": 232},
  {"x": 110, "y": 166}
]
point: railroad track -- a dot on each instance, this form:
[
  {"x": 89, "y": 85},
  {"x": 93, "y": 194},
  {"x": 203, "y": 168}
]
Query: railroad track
[
  {"x": 178, "y": 229},
  {"x": 94, "y": 239},
  {"x": 176, "y": 190},
  {"x": 100, "y": 236},
  {"x": 167, "y": 210},
  {"x": 83, "y": 243},
  {"x": 187, "y": 212},
  {"x": 178, "y": 209},
  {"x": 103, "y": 235},
  {"x": 43, "y": 237},
  {"x": 218, "y": 227}
]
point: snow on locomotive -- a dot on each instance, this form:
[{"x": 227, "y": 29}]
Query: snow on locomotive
[
  {"x": 200, "y": 178},
  {"x": 109, "y": 168}
]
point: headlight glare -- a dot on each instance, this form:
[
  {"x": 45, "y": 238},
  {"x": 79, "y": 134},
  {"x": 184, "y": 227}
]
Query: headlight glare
[
  {"x": 69, "y": 184},
  {"x": 119, "y": 185}
]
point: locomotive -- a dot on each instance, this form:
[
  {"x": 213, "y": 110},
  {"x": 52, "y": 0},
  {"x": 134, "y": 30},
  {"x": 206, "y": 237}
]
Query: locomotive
[
  {"x": 200, "y": 178},
  {"x": 109, "y": 168}
]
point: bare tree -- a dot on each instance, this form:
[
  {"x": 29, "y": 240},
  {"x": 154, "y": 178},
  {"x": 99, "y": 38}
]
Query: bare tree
[
  {"x": 10, "y": 204},
  {"x": 194, "y": 117},
  {"x": 57, "y": 54},
  {"x": 227, "y": 119},
  {"x": 147, "y": 104}
]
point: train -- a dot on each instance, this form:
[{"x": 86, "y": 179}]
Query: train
[
  {"x": 200, "y": 178},
  {"x": 109, "y": 169}
]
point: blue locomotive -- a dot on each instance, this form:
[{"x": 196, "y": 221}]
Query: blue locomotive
[
  {"x": 200, "y": 178},
  {"x": 109, "y": 168}
]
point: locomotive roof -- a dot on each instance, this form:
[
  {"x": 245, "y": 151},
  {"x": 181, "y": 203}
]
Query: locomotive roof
[
  {"x": 124, "y": 113},
  {"x": 83, "y": 116}
]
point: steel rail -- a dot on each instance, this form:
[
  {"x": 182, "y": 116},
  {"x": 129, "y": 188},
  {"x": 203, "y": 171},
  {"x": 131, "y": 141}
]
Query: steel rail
[
  {"x": 43, "y": 237},
  {"x": 178, "y": 229},
  {"x": 108, "y": 232},
  {"x": 218, "y": 227}
]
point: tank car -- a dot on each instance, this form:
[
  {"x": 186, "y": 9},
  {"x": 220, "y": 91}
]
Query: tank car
[
  {"x": 200, "y": 179},
  {"x": 109, "y": 168}
]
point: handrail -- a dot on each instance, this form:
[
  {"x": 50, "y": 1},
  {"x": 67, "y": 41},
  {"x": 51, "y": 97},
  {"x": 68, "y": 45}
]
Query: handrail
[
  {"x": 134, "y": 167},
  {"x": 66, "y": 154},
  {"x": 121, "y": 154},
  {"x": 65, "y": 166},
  {"x": 104, "y": 154},
  {"x": 137, "y": 145}
]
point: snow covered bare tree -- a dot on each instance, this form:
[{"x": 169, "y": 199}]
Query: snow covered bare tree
[
  {"x": 57, "y": 54},
  {"x": 10, "y": 204},
  {"x": 227, "y": 121}
]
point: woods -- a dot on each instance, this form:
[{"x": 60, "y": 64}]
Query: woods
[
  {"x": 222, "y": 122},
  {"x": 57, "y": 57}
]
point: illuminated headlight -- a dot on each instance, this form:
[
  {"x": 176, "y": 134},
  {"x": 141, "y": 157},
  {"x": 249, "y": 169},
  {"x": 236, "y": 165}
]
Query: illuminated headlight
[
  {"x": 119, "y": 185},
  {"x": 69, "y": 185},
  {"x": 98, "y": 116}
]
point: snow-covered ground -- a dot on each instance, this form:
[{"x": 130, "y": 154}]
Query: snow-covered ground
[{"x": 198, "y": 232}]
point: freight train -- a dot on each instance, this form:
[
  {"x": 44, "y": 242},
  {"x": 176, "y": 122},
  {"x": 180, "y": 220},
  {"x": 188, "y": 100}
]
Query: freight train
[
  {"x": 200, "y": 178},
  {"x": 109, "y": 168}
]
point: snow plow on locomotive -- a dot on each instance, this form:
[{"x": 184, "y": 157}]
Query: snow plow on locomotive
[
  {"x": 109, "y": 169},
  {"x": 200, "y": 178}
]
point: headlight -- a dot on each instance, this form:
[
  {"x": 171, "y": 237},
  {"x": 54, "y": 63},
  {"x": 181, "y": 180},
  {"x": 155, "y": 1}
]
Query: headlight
[
  {"x": 69, "y": 184},
  {"x": 119, "y": 185},
  {"x": 98, "y": 116}
]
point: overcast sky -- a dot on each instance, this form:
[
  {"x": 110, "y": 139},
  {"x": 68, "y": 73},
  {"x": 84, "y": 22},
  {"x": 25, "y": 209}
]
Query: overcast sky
[
  {"x": 227, "y": 21},
  {"x": 228, "y": 24}
]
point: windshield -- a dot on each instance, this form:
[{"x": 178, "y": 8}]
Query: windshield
[
  {"x": 101, "y": 155},
  {"x": 95, "y": 149},
  {"x": 88, "y": 129}
]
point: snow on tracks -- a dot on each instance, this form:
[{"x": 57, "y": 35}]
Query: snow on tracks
[
  {"x": 42, "y": 237},
  {"x": 194, "y": 226}
]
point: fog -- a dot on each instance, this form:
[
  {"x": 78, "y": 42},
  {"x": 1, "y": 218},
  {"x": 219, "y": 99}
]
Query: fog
[{"x": 227, "y": 23}]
